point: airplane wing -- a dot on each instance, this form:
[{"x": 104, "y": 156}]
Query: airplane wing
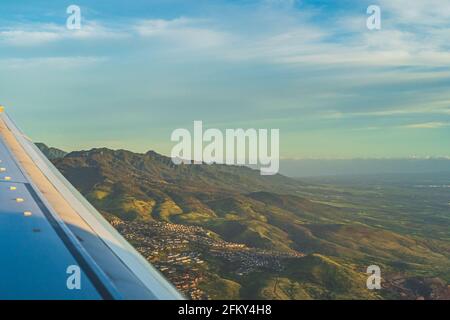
[{"x": 53, "y": 243}]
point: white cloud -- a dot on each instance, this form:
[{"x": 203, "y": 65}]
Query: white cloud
[
  {"x": 427, "y": 125},
  {"x": 42, "y": 34},
  {"x": 182, "y": 31},
  {"x": 27, "y": 38},
  {"x": 438, "y": 107},
  {"x": 303, "y": 41},
  {"x": 49, "y": 62},
  {"x": 292, "y": 38},
  {"x": 429, "y": 12}
]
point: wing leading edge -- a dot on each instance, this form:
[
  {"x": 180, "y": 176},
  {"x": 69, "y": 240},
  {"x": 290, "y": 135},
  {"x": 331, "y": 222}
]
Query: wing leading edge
[{"x": 54, "y": 244}]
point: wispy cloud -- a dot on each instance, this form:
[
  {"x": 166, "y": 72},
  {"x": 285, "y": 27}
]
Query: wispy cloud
[
  {"x": 63, "y": 62},
  {"x": 429, "y": 13},
  {"x": 295, "y": 38},
  {"x": 427, "y": 125},
  {"x": 314, "y": 71},
  {"x": 182, "y": 32},
  {"x": 27, "y": 38},
  {"x": 37, "y": 34}
]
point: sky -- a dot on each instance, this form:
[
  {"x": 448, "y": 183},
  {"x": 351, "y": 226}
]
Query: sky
[{"x": 137, "y": 70}]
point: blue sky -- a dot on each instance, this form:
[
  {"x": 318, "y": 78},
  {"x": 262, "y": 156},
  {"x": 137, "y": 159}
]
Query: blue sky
[{"x": 139, "y": 69}]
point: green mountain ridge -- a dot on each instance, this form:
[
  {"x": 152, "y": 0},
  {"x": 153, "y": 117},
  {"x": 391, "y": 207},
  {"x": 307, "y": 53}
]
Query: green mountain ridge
[{"x": 50, "y": 152}]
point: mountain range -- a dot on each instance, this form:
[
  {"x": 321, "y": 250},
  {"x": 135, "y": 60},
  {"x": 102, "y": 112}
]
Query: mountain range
[{"x": 322, "y": 236}]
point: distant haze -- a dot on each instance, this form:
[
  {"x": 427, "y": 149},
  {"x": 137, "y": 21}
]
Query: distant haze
[{"x": 322, "y": 167}]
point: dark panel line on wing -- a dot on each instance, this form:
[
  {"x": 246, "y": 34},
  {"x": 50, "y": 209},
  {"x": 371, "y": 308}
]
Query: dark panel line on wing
[{"x": 84, "y": 265}]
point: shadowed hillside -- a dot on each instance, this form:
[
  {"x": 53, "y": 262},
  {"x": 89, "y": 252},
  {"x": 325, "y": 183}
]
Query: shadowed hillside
[{"x": 51, "y": 153}]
